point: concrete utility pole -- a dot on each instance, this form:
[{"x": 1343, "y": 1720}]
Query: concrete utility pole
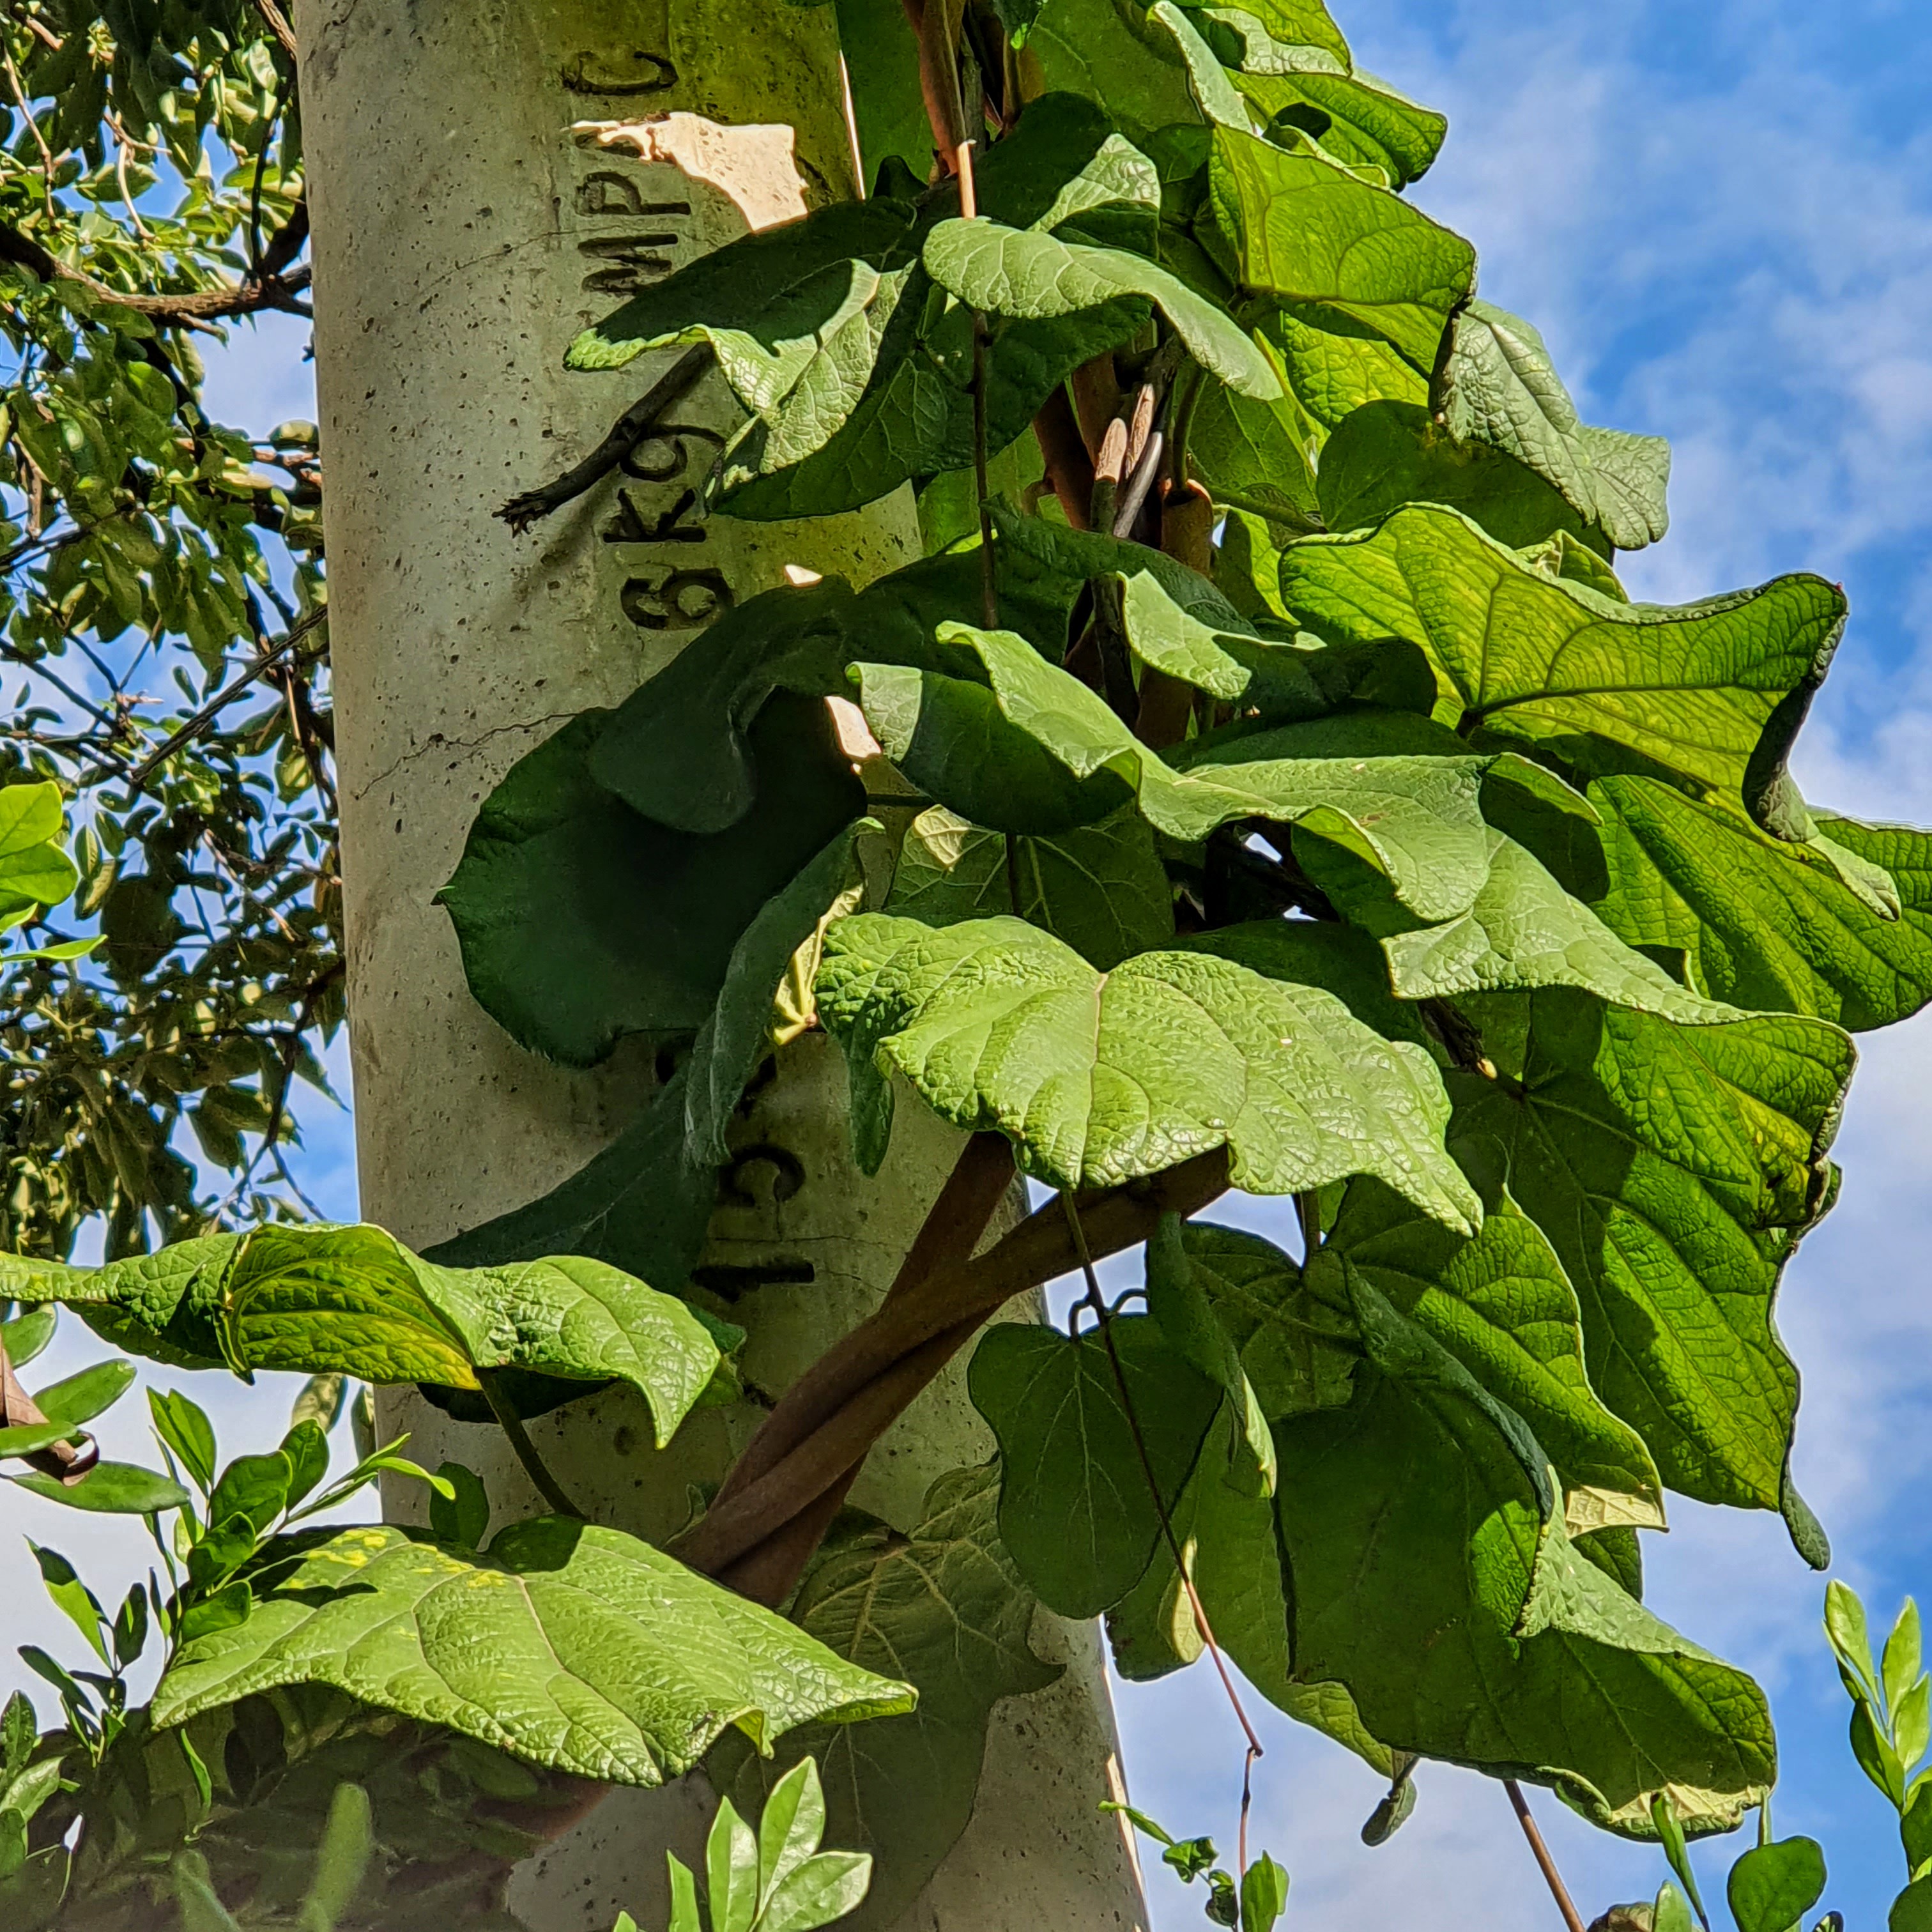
[{"x": 468, "y": 218}]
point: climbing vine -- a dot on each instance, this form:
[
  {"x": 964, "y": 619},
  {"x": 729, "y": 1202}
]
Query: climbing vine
[{"x": 1270, "y": 787}]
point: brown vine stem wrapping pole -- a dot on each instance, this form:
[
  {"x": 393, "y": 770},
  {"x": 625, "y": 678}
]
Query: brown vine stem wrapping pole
[
  {"x": 1572, "y": 1918},
  {"x": 486, "y": 177},
  {"x": 989, "y": 588}
]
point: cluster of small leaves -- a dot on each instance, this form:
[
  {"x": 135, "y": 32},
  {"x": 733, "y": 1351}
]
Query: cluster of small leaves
[
  {"x": 151, "y": 559},
  {"x": 298, "y": 1658}
]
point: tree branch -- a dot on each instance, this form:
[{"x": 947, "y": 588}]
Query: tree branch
[
  {"x": 265, "y": 290},
  {"x": 626, "y": 433},
  {"x": 278, "y": 25},
  {"x": 223, "y": 699}
]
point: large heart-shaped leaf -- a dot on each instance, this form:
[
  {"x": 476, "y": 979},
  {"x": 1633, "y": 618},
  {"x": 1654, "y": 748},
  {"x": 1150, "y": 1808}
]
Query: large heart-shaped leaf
[
  {"x": 1712, "y": 692},
  {"x": 643, "y": 1204},
  {"x": 580, "y": 921},
  {"x": 320, "y": 1299},
  {"x": 1414, "y": 817},
  {"x": 1500, "y": 1303},
  {"x": 1080, "y": 1510},
  {"x": 1099, "y": 1077},
  {"x": 1235, "y": 1563},
  {"x": 1387, "y": 454},
  {"x": 944, "y": 1609},
  {"x": 1524, "y": 931},
  {"x": 577, "y": 1647},
  {"x": 1497, "y": 386},
  {"x": 677, "y": 749},
  {"x": 1673, "y": 1169},
  {"x": 1031, "y": 277},
  {"x": 1764, "y": 922},
  {"x": 1101, "y": 888},
  {"x": 1301, "y": 228},
  {"x": 1433, "y": 1577}
]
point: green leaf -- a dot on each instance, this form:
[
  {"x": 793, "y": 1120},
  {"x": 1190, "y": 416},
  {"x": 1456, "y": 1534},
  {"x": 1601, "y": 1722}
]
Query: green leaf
[
  {"x": 1236, "y": 1564},
  {"x": 1765, "y": 922},
  {"x": 1672, "y": 1911},
  {"x": 319, "y": 1298},
  {"x": 1303, "y": 229},
  {"x": 1361, "y": 120},
  {"x": 1911, "y": 1910},
  {"x": 24, "y": 1440},
  {"x": 341, "y": 1858},
  {"x": 1497, "y": 386},
  {"x": 33, "y": 868},
  {"x": 1711, "y": 692},
  {"x": 826, "y": 1887},
  {"x": 320, "y": 1402},
  {"x": 81, "y": 1397},
  {"x": 580, "y": 922},
  {"x": 1091, "y": 48},
  {"x": 1845, "y": 1629},
  {"x": 19, "y": 1730},
  {"x": 731, "y": 1870},
  {"x": 790, "y": 1825},
  {"x": 1035, "y": 278},
  {"x": 1432, "y": 1577},
  {"x": 115, "y": 1489},
  {"x": 1524, "y": 931},
  {"x": 1298, "y": 1350},
  {"x": 254, "y": 1487},
  {"x": 684, "y": 1914},
  {"x": 1274, "y": 683},
  {"x": 307, "y": 1449},
  {"x": 1670, "y": 1833},
  {"x": 1385, "y": 454},
  {"x": 1264, "y": 1895},
  {"x": 1101, "y": 888},
  {"x": 1070, "y": 760},
  {"x": 882, "y": 66},
  {"x": 1101, "y": 1077},
  {"x": 28, "y": 1335},
  {"x": 1501, "y": 1305},
  {"x": 462, "y": 1518},
  {"x": 1673, "y": 1169},
  {"x": 1256, "y": 456},
  {"x": 945, "y": 1609},
  {"x": 182, "y": 1425},
  {"x": 738, "y": 1035},
  {"x": 1915, "y": 1826},
  {"x": 1076, "y": 1510},
  {"x": 1772, "y": 1887},
  {"x": 891, "y": 396},
  {"x": 574, "y": 1646},
  {"x": 73, "y": 1600},
  {"x": 1181, "y": 1305},
  {"x": 641, "y": 1205}
]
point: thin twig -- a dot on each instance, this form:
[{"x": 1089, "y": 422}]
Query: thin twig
[
  {"x": 1104, "y": 1316},
  {"x": 626, "y": 433},
  {"x": 246, "y": 297},
  {"x": 1572, "y": 1918},
  {"x": 223, "y": 699},
  {"x": 511, "y": 1424}
]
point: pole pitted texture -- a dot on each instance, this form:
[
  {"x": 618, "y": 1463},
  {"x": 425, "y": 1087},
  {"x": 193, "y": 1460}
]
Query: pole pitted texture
[{"x": 487, "y": 177}]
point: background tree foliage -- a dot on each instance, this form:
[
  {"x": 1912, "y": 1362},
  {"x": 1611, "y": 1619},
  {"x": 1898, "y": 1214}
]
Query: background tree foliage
[{"x": 162, "y": 599}]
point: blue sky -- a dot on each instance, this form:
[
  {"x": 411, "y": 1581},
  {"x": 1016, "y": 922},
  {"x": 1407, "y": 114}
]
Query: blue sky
[{"x": 1721, "y": 217}]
